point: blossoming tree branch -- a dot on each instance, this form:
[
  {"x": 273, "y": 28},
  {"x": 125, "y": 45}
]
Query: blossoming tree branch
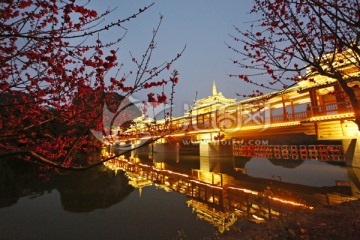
[
  {"x": 289, "y": 37},
  {"x": 56, "y": 74}
]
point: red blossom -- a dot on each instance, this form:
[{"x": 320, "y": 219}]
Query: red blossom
[
  {"x": 53, "y": 90},
  {"x": 162, "y": 98}
]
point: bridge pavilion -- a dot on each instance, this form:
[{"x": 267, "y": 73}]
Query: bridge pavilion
[{"x": 315, "y": 113}]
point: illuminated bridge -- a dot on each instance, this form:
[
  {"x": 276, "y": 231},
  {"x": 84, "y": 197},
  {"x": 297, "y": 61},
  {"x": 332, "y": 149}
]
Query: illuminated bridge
[{"x": 312, "y": 120}]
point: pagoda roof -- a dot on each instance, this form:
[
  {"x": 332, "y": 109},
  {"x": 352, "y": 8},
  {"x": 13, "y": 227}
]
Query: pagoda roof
[{"x": 215, "y": 98}]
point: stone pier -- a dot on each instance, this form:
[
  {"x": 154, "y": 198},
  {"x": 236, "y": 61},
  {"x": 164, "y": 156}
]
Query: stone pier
[
  {"x": 166, "y": 147},
  {"x": 352, "y": 152},
  {"x": 215, "y": 149}
]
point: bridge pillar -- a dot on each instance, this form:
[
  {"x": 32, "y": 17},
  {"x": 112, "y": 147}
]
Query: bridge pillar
[
  {"x": 141, "y": 145},
  {"x": 354, "y": 178},
  {"x": 164, "y": 157},
  {"x": 206, "y": 164},
  {"x": 352, "y": 152},
  {"x": 140, "y": 148},
  {"x": 215, "y": 149},
  {"x": 166, "y": 147}
]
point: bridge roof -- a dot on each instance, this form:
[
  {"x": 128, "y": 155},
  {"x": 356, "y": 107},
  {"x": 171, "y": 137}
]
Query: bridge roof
[{"x": 268, "y": 96}]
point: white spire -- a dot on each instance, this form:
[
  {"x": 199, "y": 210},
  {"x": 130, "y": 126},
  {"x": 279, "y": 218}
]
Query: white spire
[{"x": 214, "y": 92}]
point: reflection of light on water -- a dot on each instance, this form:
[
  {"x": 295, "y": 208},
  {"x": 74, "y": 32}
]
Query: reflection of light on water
[
  {"x": 166, "y": 188},
  {"x": 291, "y": 202},
  {"x": 258, "y": 218},
  {"x": 142, "y": 175},
  {"x": 205, "y": 184},
  {"x": 112, "y": 165},
  {"x": 273, "y": 198},
  {"x": 245, "y": 190},
  {"x": 222, "y": 220}
]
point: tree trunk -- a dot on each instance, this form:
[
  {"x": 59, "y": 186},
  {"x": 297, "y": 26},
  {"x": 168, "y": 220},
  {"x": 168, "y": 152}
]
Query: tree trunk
[{"x": 353, "y": 100}]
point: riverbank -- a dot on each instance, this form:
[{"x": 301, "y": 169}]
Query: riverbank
[{"x": 329, "y": 222}]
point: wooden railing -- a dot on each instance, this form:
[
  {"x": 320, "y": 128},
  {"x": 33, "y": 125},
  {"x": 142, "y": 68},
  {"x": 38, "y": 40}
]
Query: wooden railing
[
  {"x": 186, "y": 124},
  {"x": 334, "y": 108}
]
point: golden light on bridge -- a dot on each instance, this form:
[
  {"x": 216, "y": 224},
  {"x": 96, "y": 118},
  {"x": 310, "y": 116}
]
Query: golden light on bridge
[{"x": 331, "y": 117}]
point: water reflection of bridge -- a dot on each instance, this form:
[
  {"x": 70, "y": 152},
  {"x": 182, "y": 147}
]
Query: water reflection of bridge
[{"x": 222, "y": 199}]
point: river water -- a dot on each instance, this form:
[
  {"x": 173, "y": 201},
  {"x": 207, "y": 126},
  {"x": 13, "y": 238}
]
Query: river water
[{"x": 162, "y": 196}]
